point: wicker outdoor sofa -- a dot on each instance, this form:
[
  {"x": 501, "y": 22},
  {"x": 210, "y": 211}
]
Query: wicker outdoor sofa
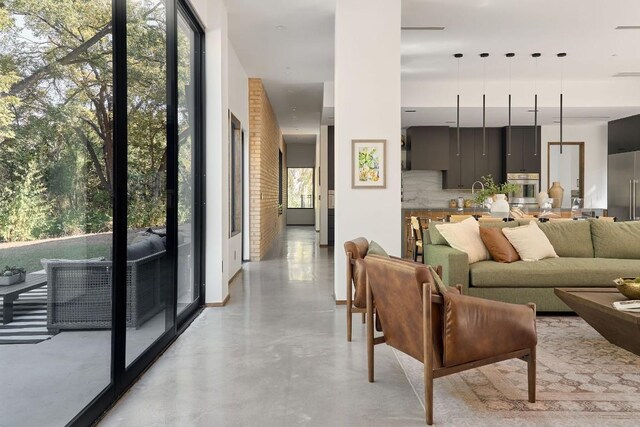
[{"x": 79, "y": 292}]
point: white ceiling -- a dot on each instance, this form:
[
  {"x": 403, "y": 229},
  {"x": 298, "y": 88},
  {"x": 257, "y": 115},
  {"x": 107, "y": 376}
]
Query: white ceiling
[{"x": 294, "y": 62}]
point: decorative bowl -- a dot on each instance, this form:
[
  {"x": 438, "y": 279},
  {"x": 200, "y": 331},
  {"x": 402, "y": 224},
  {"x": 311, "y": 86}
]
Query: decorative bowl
[{"x": 627, "y": 287}]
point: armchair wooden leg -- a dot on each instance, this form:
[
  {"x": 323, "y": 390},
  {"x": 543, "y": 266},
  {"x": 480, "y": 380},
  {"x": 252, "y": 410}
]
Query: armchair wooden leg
[
  {"x": 531, "y": 368},
  {"x": 428, "y": 395},
  {"x": 349, "y": 322},
  {"x": 369, "y": 331}
]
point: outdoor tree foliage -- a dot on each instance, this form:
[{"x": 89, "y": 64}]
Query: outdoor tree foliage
[{"x": 56, "y": 116}]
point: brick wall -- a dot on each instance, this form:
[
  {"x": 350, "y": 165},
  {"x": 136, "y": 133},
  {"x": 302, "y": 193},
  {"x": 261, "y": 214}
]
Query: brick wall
[{"x": 265, "y": 141}]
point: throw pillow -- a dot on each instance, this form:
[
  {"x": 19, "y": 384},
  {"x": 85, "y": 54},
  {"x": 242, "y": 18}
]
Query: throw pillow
[
  {"x": 376, "y": 249},
  {"x": 498, "y": 245},
  {"x": 435, "y": 238},
  {"x": 530, "y": 242},
  {"x": 465, "y": 236}
]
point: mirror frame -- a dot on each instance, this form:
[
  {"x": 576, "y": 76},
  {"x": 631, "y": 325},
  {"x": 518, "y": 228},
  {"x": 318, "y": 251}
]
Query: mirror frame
[{"x": 581, "y": 165}]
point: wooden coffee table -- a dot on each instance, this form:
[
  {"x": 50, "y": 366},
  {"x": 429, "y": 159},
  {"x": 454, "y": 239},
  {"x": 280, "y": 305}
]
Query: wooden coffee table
[
  {"x": 594, "y": 305},
  {"x": 10, "y": 293}
]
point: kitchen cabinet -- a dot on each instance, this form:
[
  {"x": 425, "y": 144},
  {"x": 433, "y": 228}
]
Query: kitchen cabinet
[
  {"x": 427, "y": 148},
  {"x": 523, "y": 153},
  {"x": 470, "y": 163},
  {"x": 624, "y": 135}
]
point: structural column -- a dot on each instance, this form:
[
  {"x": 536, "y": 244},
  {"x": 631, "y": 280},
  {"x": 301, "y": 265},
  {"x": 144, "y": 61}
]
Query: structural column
[{"x": 367, "y": 106}]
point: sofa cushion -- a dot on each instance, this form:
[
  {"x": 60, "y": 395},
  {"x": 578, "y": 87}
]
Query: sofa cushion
[
  {"x": 552, "y": 273},
  {"x": 616, "y": 239},
  {"x": 376, "y": 249},
  {"x": 435, "y": 238},
  {"x": 465, "y": 236},
  {"x": 497, "y": 244},
  {"x": 530, "y": 242},
  {"x": 139, "y": 249},
  {"x": 569, "y": 238}
]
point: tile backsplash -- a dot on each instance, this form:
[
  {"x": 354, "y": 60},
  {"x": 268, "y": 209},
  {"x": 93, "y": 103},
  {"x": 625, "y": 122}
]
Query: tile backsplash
[{"x": 423, "y": 189}]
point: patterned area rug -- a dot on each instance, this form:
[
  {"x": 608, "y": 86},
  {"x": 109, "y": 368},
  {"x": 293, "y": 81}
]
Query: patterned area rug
[
  {"x": 29, "y": 324},
  {"x": 582, "y": 380}
]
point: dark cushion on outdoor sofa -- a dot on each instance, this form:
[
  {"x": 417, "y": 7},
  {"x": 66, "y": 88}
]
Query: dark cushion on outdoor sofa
[{"x": 552, "y": 273}]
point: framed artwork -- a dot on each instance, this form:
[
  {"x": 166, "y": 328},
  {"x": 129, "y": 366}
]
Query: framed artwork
[
  {"x": 236, "y": 136},
  {"x": 369, "y": 163}
]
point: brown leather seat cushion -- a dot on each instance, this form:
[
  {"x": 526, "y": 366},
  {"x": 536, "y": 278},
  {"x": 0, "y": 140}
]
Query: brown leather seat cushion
[
  {"x": 476, "y": 328},
  {"x": 498, "y": 245}
]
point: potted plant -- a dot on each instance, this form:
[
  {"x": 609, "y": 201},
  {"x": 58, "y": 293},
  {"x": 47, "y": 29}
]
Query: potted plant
[
  {"x": 491, "y": 189},
  {"x": 12, "y": 275}
]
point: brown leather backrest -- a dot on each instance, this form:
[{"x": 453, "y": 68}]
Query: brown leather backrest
[
  {"x": 358, "y": 247},
  {"x": 397, "y": 289}
]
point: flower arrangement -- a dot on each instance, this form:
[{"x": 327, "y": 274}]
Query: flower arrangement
[{"x": 491, "y": 189}]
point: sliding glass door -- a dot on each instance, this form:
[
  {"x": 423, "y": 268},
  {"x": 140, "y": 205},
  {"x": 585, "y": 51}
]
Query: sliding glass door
[{"x": 100, "y": 198}]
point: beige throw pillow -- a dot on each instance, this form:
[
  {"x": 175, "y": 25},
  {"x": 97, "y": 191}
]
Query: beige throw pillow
[
  {"x": 530, "y": 242},
  {"x": 465, "y": 236}
]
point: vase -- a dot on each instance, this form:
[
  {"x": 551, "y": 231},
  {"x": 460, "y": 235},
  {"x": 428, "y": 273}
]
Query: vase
[
  {"x": 556, "y": 192},
  {"x": 542, "y": 196},
  {"x": 500, "y": 207}
]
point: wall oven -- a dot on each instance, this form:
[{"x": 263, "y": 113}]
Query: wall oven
[{"x": 528, "y": 187}]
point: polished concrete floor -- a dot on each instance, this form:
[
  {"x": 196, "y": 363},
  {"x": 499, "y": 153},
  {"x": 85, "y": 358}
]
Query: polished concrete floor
[{"x": 276, "y": 355}]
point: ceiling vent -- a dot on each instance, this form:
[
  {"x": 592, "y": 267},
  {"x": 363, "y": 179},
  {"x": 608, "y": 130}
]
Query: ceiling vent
[
  {"x": 628, "y": 74},
  {"x": 423, "y": 28},
  {"x": 628, "y": 27}
]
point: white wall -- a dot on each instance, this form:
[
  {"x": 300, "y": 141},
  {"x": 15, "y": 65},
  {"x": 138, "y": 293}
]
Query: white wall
[
  {"x": 317, "y": 184},
  {"x": 239, "y": 106},
  {"x": 324, "y": 184},
  {"x": 367, "y": 106},
  {"x": 595, "y": 138},
  {"x": 213, "y": 15}
]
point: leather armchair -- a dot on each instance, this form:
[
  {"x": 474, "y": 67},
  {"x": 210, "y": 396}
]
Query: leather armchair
[
  {"x": 356, "y": 280},
  {"x": 449, "y": 333}
]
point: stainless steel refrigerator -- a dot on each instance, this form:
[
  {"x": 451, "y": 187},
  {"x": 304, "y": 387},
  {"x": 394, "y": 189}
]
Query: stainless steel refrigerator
[{"x": 623, "y": 185}]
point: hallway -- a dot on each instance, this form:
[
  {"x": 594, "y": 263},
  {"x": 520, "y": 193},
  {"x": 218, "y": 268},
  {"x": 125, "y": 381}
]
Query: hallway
[{"x": 276, "y": 355}]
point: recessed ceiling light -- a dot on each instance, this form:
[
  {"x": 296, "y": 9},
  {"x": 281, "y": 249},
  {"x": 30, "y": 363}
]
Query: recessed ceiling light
[
  {"x": 280, "y": 27},
  {"x": 423, "y": 28},
  {"x": 293, "y": 109},
  {"x": 628, "y": 74},
  {"x": 409, "y": 111},
  {"x": 628, "y": 27}
]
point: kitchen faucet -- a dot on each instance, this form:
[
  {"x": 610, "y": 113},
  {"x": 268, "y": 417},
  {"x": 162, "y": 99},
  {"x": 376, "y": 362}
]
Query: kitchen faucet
[{"x": 473, "y": 189}]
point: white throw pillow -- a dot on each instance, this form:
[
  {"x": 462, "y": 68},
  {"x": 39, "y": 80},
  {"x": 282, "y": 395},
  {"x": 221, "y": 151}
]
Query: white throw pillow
[
  {"x": 530, "y": 242},
  {"x": 465, "y": 236}
]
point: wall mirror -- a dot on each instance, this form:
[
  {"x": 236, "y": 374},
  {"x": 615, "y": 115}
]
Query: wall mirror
[{"x": 567, "y": 168}]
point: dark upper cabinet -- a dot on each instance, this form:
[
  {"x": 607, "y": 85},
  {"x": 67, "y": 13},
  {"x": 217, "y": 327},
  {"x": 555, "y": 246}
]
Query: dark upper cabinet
[
  {"x": 522, "y": 153},
  {"x": 488, "y": 159},
  {"x": 624, "y": 135},
  {"x": 428, "y": 148},
  {"x": 474, "y": 159}
]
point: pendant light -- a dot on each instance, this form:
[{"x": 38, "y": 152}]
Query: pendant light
[
  {"x": 509, "y": 55},
  {"x": 561, "y": 56},
  {"x": 484, "y": 105},
  {"x": 535, "y": 106},
  {"x": 458, "y": 56}
]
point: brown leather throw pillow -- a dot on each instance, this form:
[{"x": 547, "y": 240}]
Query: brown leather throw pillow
[{"x": 499, "y": 247}]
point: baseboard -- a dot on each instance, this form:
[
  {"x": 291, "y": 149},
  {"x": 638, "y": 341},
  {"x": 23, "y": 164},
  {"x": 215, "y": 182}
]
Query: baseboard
[
  {"x": 219, "y": 304},
  {"x": 235, "y": 275},
  {"x": 341, "y": 302}
]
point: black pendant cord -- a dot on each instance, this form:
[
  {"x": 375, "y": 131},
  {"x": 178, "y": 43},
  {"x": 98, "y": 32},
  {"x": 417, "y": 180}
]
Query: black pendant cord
[
  {"x": 561, "y": 56},
  {"x": 535, "y": 125},
  {"x": 458, "y": 125},
  {"x": 509, "y": 128},
  {"x": 535, "y": 108},
  {"x": 484, "y": 106},
  {"x": 484, "y": 125},
  {"x": 458, "y": 56},
  {"x": 509, "y": 56}
]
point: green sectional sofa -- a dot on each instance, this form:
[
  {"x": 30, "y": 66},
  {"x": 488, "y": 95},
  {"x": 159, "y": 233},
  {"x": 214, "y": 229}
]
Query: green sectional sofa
[{"x": 591, "y": 254}]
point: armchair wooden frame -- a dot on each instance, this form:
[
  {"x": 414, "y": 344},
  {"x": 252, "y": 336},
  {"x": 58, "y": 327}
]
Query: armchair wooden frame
[
  {"x": 351, "y": 309},
  {"x": 431, "y": 372}
]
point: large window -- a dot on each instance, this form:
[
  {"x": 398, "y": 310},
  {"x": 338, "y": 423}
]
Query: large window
[{"x": 300, "y": 188}]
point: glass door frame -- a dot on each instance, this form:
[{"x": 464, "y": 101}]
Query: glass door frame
[{"x": 122, "y": 377}]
